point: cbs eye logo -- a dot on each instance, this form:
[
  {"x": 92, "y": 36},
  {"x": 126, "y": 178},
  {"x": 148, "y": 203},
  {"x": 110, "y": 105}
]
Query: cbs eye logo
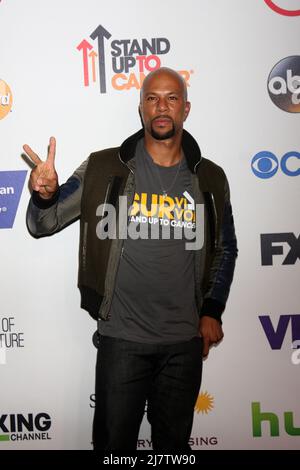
[
  {"x": 265, "y": 164},
  {"x": 284, "y": 84}
]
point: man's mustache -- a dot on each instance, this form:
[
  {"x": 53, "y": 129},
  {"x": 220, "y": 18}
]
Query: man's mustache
[{"x": 162, "y": 116}]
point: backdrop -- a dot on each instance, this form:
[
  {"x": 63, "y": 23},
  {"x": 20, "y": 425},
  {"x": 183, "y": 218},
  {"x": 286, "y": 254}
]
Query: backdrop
[{"x": 73, "y": 70}]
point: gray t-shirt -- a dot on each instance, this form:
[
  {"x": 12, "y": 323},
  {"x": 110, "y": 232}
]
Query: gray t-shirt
[{"x": 154, "y": 298}]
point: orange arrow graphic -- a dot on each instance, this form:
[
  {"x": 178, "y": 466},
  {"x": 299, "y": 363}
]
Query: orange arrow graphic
[{"x": 93, "y": 54}]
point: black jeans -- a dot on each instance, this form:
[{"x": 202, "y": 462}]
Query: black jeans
[{"x": 128, "y": 374}]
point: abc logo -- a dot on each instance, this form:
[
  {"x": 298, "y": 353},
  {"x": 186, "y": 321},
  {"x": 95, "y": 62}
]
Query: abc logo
[
  {"x": 265, "y": 164},
  {"x": 284, "y": 84}
]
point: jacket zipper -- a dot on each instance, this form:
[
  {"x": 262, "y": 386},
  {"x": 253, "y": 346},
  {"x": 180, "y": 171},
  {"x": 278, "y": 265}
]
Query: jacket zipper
[
  {"x": 106, "y": 194},
  {"x": 122, "y": 161},
  {"x": 195, "y": 167},
  {"x": 114, "y": 274},
  {"x": 216, "y": 220},
  {"x": 85, "y": 229}
]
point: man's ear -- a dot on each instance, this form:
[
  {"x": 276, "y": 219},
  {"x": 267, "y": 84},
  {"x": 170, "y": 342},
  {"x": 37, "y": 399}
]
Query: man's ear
[
  {"x": 187, "y": 109},
  {"x": 140, "y": 114},
  {"x": 140, "y": 111}
]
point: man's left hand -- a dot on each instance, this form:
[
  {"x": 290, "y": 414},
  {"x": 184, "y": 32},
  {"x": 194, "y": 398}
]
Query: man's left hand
[{"x": 211, "y": 332}]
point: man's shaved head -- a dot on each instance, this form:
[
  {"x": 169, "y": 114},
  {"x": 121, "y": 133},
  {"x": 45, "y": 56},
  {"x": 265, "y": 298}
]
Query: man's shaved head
[
  {"x": 163, "y": 104},
  {"x": 165, "y": 71}
]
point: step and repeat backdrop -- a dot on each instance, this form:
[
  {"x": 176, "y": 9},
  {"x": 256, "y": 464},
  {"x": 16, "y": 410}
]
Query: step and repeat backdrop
[{"x": 74, "y": 70}]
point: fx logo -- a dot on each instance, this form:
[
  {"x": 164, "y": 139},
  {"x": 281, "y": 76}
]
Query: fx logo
[{"x": 272, "y": 244}]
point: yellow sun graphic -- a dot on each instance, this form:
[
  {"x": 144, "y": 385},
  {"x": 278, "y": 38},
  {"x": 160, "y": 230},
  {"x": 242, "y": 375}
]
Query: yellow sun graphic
[{"x": 204, "y": 403}]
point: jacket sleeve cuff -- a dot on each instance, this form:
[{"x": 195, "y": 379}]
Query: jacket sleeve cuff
[
  {"x": 44, "y": 203},
  {"x": 212, "y": 308}
]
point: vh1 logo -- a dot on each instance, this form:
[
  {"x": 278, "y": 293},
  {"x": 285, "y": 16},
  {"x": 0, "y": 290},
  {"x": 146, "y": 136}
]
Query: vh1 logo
[{"x": 277, "y": 334}]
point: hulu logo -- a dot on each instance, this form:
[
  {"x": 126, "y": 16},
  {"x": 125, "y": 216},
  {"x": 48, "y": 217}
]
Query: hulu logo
[{"x": 258, "y": 417}]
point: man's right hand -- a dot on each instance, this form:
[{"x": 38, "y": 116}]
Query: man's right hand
[{"x": 43, "y": 178}]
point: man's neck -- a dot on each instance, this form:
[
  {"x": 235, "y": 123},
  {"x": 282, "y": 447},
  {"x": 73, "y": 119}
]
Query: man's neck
[{"x": 164, "y": 152}]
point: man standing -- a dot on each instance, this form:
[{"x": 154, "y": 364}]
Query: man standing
[{"x": 157, "y": 303}]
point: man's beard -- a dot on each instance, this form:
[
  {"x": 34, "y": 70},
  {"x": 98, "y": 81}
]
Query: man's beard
[{"x": 165, "y": 136}]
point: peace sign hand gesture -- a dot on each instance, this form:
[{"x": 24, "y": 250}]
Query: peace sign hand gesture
[{"x": 43, "y": 177}]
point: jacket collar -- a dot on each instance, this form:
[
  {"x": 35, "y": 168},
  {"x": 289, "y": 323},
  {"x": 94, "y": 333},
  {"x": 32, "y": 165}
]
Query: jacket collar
[{"x": 189, "y": 145}]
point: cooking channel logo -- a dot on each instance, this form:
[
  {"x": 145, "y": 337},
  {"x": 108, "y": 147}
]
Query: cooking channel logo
[
  {"x": 122, "y": 62},
  {"x": 284, "y": 84},
  {"x": 25, "y": 427}
]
